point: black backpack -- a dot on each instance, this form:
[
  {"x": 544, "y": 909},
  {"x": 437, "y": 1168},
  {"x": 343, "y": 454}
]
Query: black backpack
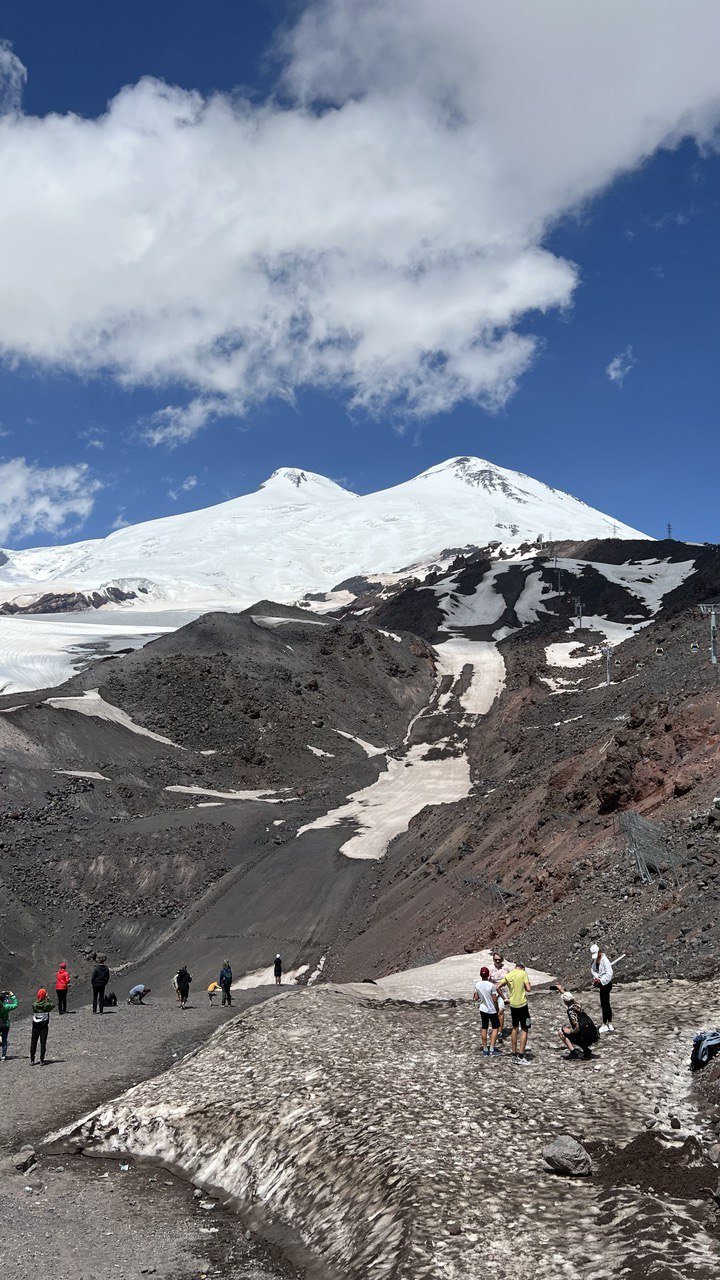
[{"x": 586, "y": 1027}]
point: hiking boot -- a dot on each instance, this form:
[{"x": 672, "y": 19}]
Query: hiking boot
[
  {"x": 610, "y": 1026},
  {"x": 496, "y": 1052},
  {"x": 522, "y": 1061},
  {"x": 571, "y": 1056},
  {"x": 587, "y": 1054},
  {"x": 486, "y": 1053},
  {"x": 603, "y": 1029}
]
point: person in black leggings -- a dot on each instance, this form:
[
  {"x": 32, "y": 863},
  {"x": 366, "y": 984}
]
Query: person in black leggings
[
  {"x": 40, "y": 1025},
  {"x": 99, "y": 978}
]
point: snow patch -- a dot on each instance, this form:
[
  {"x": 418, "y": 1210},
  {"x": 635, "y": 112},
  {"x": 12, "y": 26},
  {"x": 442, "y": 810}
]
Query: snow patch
[
  {"x": 367, "y": 747},
  {"x": 385, "y": 809},
  {"x": 91, "y": 704},
  {"x": 317, "y": 751},
  {"x": 488, "y": 671},
  {"x": 266, "y": 978},
  {"x": 269, "y": 797},
  {"x": 81, "y": 773}
]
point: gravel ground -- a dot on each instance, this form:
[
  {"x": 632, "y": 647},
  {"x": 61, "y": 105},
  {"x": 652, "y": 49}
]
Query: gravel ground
[{"x": 72, "y": 1218}]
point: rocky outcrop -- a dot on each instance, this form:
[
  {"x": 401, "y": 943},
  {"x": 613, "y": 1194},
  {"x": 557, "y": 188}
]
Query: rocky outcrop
[{"x": 65, "y": 601}]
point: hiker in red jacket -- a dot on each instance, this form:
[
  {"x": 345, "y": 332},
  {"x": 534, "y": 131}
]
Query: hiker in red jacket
[{"x": 62, "y": 982}]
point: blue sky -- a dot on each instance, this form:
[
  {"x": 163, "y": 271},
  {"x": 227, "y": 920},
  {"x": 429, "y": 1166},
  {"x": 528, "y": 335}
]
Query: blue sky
[{"x": 643, "y": 246}]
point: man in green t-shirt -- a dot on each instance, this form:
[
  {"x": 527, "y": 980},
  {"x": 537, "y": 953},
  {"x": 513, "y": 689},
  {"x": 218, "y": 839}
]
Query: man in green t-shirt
[{"x": 518, "y": 985}]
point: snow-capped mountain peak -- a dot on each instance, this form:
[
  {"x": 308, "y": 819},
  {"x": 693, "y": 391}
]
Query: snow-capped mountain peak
[
  {"x": 308, "y": 483},
  {"x": 301, "y": 532}
]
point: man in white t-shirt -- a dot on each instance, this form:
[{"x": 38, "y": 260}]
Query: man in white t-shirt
[
  {"x": 486, "y": 997},
  {"x": 498, "y": 969}
]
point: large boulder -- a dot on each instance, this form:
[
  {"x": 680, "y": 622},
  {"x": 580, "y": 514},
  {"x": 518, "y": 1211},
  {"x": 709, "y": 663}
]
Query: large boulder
[{"x": 565, "y": 1155}]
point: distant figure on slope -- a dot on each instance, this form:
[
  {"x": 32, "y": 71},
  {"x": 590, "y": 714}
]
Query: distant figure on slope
[
  {"x": 8, "y": 1003},
  {"x": 486, "y": 996},
  {"x": 137, "y": 993},
  {"x": 225, "y": 980},
  {"x": 602, "y": 972},
  {"x": 518, "y": 985},
  {"x": 212, "y": 991},
  {"x": 40, "y": 1025},
  {"x": 99, "y": 979},
  {"x": 498, "y": 969},
  {"x": 277, "y": 970},
  {"x": 580, "y": 1031},
  {"x": 183, "y": 980},
  {"x": 62, "y": 982}
]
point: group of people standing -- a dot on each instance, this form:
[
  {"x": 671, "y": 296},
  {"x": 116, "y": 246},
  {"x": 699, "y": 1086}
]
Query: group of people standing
[
  {"x": 502, "y": 985},
  {"x": 42, "y": 1005}
]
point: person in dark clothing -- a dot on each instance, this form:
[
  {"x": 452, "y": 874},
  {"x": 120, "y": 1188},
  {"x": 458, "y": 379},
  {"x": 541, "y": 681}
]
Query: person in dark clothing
[
  {"x": 183, "y": 980},
  {"x": 277, "y": 970},
  {"x": 225, "y": 980},
  {"x": 580, "y": 1031},
  {"x": 40, "y": 1025},
  {"x": 99, "y": 978}
]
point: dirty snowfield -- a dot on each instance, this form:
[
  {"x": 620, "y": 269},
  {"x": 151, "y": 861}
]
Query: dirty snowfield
[
  {"x": 385, "y": 808},
  {"x": 417, "y": 1158}
]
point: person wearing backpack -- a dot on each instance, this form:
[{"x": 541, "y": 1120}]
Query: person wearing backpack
[
  {"x": 225, "y": 982},
  {"x": 99, "y": 979},
  {"x": 40, "y": 1025},
  {"x": 8, "y": 1003},
  {"x": 182, "y": 981},
  {"x": 580, "y": 1032}
]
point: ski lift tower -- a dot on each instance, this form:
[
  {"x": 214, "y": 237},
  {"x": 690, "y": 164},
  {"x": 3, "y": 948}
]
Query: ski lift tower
[{"x": 711, "y": 611}]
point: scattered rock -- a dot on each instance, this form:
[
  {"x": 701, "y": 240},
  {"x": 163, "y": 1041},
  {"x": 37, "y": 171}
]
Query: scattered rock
[
  {"x": 565, "y": 1155},
  {"x": 23, "y": 1159}
]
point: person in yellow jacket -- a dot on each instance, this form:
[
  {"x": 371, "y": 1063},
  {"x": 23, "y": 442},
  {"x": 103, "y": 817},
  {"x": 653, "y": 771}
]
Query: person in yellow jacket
[
  {"x": 517, "y": 984},
  {"x": 213, "y": 990}
]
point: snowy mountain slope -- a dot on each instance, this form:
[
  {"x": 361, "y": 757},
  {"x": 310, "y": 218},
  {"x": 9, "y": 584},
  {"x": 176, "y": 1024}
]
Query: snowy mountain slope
[{"x": 301, "y": 532}]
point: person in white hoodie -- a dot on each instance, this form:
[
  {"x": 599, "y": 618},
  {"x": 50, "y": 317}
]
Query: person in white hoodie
[{"x": 602, "y": 974}]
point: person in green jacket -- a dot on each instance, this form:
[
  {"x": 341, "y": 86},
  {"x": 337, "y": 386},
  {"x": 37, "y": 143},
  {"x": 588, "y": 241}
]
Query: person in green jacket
[
  {"x": 40, "y": 1025},
  {"x": 8, "y": 1002}
]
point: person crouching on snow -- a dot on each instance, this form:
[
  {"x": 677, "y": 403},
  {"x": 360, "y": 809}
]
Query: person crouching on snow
[{"x": 580, "y": 1031}]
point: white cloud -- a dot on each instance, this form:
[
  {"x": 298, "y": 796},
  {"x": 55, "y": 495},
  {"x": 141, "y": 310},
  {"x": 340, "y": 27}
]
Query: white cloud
[
  {"x": 120, "y": 522},
  {"x": 94, "y": 437},
  {"x": 376, "y": 230},
  {"x": 620, "y": 366},
  {"x": 37, "y": 499},
  {"x": 185, "y": 486},
  {"x": 12, "y": 79}
]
